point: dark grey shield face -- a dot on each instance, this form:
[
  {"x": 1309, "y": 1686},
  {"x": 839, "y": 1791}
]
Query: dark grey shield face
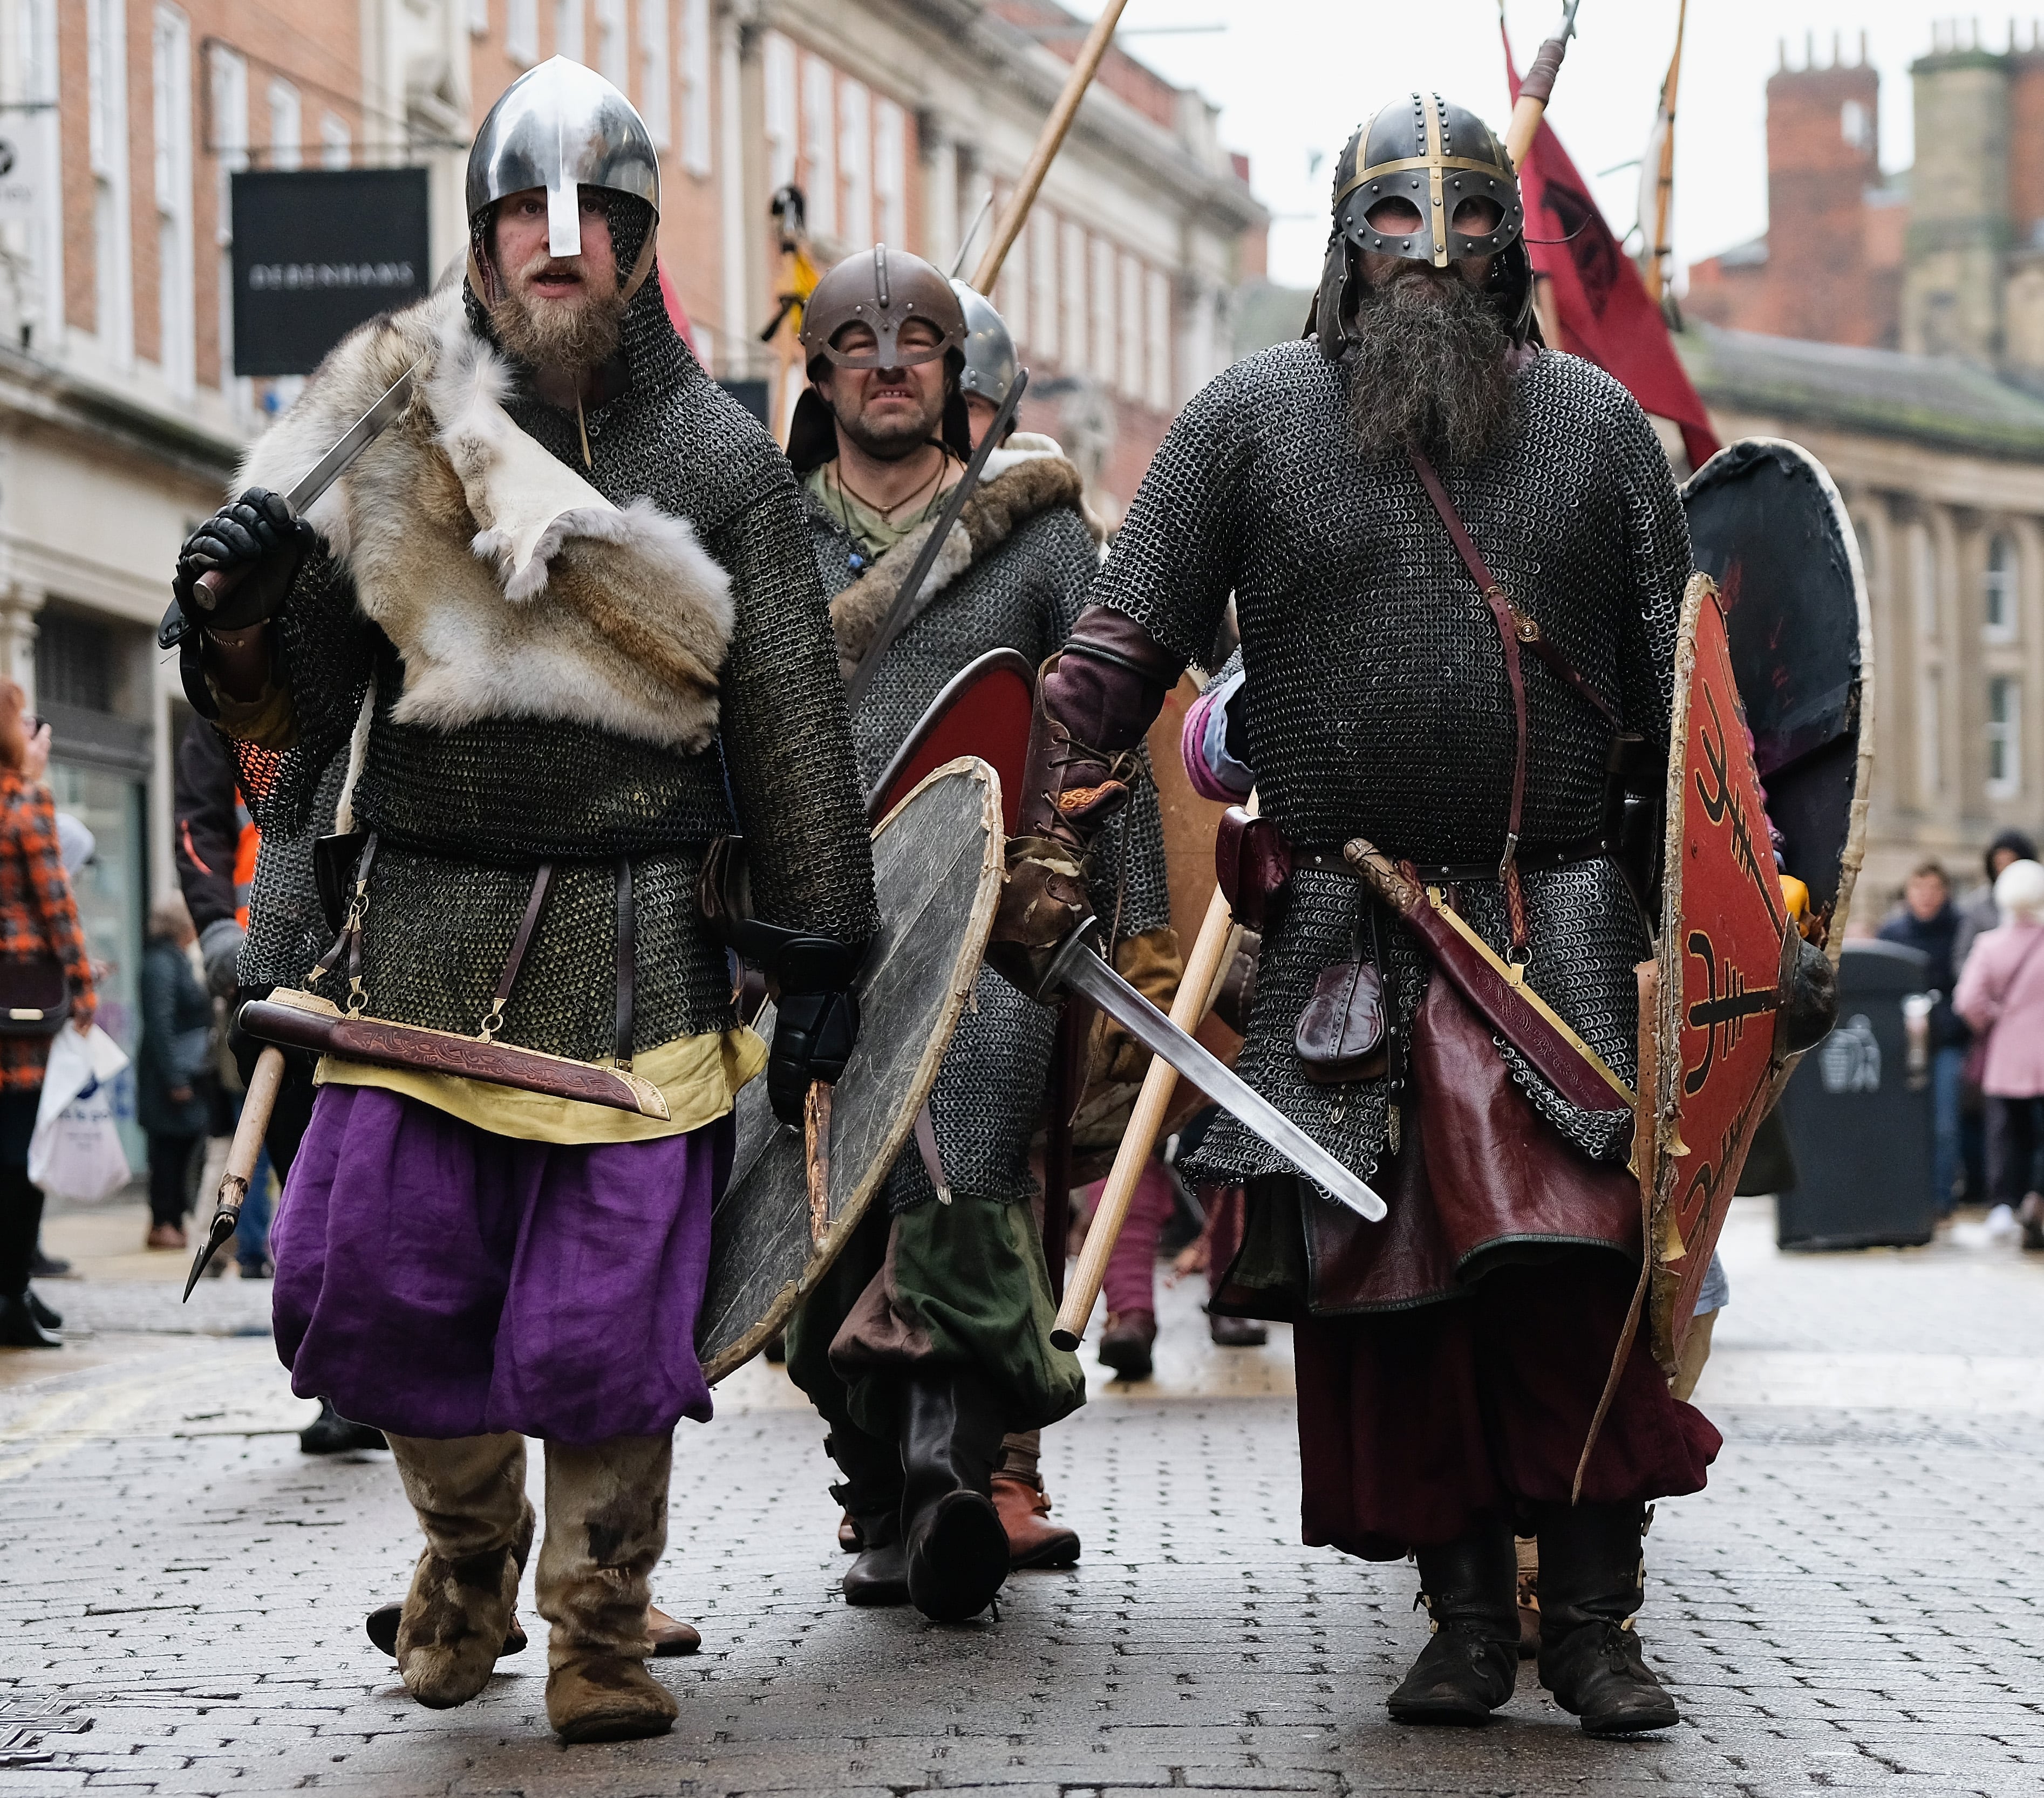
[{"x": 1423, "y": 155}]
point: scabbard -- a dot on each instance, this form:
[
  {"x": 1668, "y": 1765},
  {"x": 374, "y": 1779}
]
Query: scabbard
[
  {"x": 1557, "y": 1054},
  {"x": 304, "y": 1021}
]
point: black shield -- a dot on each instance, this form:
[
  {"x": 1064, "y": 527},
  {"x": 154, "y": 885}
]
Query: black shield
[{"x": 1768, "y": 527}]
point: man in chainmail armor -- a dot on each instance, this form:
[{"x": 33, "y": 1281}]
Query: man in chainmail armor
[
  {"x": 562, "y": 600},
  {"x": 1451, "y": 1358},
  {"x": 930, "y": 1337}
]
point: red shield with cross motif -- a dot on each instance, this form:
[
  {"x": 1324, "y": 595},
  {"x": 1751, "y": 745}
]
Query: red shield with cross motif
[{"x": 1725, "y": 927}]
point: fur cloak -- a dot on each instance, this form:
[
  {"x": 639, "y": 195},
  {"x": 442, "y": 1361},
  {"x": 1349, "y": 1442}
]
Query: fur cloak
[{"x": 510, "y": 586}]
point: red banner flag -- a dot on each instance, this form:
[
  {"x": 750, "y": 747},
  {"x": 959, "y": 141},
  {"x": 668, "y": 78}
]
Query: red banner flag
[{"x": 1605, "y": 313}]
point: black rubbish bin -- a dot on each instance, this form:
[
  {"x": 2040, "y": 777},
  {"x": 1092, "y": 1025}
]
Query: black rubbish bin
[{"x": 1858, "y": 1115}]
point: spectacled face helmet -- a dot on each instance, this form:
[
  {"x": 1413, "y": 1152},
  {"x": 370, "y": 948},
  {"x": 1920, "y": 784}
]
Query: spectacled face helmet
[
  {"x": 882, "y": 290},
  {"x": 562, "y": 128}
]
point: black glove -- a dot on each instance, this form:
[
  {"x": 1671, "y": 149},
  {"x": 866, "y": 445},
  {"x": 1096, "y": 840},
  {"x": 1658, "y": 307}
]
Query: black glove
[
  {"x": 813, "y": 1034},
  {"x": 257, "y": 546}
]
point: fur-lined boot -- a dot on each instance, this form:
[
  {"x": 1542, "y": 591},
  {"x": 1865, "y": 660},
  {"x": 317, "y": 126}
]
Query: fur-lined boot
[
  {"x": 606, "y": 1527},
  {"x": 470, "y": 1496}
]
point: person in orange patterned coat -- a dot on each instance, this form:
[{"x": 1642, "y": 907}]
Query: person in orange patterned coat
[{"x": 38, "y": 918}]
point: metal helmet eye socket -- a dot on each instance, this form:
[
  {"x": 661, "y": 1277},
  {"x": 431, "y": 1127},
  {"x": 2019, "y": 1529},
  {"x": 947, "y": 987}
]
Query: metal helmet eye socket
[
  {"x": 888, "y": 350},
  {"x": 882, "y": 290}
]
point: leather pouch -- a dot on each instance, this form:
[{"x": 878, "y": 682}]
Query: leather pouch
[
  {"x": 335, "y": 860},
  {"x": 1340, "y": 1034},
  {"x": 724, "y": 889},
  {"x": 1252, "y": 861}
]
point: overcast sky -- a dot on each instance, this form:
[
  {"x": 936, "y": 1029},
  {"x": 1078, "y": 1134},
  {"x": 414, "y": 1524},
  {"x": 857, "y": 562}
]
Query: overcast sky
[{"x": 1294, "y": 77}]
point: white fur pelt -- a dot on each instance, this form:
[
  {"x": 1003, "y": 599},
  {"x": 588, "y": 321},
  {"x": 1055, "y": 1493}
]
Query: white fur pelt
[{"x": 511, "y": 587}]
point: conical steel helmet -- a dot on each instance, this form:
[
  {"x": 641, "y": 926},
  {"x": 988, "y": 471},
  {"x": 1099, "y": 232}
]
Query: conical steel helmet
[
  {"x": 990, "y": 360},
  {"x": 562, "y": 127}
]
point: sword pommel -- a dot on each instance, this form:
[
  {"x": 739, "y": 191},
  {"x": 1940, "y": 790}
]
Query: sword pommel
[{"x": 1392, "y": 884}]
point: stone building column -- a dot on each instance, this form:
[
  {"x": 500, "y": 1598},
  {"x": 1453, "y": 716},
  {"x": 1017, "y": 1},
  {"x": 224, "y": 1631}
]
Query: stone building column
[
  {"x": 19, "y": 604},
  {"x": 941, "y": 223}
]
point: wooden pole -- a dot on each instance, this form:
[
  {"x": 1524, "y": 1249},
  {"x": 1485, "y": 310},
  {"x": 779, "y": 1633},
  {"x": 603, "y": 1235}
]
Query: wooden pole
[
  {"x": 1204, "y": 968},
  {"x": 1663, "y": 183},
  {"x": 1015, "y": 213}
]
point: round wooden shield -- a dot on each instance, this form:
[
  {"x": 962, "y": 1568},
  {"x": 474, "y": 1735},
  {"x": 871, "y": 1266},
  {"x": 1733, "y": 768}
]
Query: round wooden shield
[
  {"x": 794, "y": 1198},
  {"x": 1767, "y": 525}
]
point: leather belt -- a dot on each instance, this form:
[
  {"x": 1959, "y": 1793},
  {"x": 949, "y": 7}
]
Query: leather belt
[{"x": 1538, "y": 859}]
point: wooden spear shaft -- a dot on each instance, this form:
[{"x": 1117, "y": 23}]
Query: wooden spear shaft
[
  {"x": 1664, "y": 182},
  {"x": 1015, "y": 213}
]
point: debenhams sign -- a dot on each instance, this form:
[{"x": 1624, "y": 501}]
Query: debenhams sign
[{"x": 316, "y": 252}]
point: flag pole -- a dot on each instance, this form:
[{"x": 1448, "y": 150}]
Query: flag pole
[
  {"x": 1664, "y": 186},
  {"x": 1538, "y": 84}
]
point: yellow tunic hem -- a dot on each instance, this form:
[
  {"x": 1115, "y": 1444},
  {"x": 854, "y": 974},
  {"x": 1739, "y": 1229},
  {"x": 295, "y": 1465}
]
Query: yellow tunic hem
[{"x": 700, "y": 1077}]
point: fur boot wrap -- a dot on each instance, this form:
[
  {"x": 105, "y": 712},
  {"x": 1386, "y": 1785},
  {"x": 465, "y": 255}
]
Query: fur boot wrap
[
  {"x": 1029, "y": 475},
  {"x": 511, "y": 587}
]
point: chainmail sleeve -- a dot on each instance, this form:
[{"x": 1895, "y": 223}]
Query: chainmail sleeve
[
  {"x": 326, "y": 651},
  {"x": 1180, "y": 547},
  {"x": 787, "y": 748},
  {"x": 1658, "y": 531}
]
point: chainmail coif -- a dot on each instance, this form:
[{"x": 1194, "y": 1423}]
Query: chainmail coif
[
  {"x": 1376, "y": 701},
  {"x": 467, "y": 814},
  {"x": 1024, "y": 594}
]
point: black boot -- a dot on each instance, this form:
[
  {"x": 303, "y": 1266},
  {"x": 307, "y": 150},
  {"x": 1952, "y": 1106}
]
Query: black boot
[
  {"x": 951, "y": 1429},
  {"x": 330, "y": 1433},
  {"x": 1593, "y": 1578},
  {"x": 50, "y": 1320},
  {"x": 19, "y": 1326},
  {"x": 1470, "y": 1663},
  {"x": 871, "y": 1495}
]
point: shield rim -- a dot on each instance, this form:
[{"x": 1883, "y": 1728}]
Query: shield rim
[
  {"x": 1854, "y": 855},
  {"x": 964, "y": 973},
  {"x": 1663, "y": 1148}
]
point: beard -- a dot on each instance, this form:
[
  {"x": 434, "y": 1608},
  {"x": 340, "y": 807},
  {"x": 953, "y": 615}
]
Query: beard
[
  {"x": 574, "y": 336},
  {"x": 1427, "y": 369},
  {"x": 889, "y": 440}
]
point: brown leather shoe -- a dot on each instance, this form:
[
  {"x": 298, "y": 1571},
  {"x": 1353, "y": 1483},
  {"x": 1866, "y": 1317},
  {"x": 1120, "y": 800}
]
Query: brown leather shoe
[
  {"x": 1124, "y": 1345},
  {"x": 669, "y": 1635},
  {"x": 164, "y": 1235},
  {"x": 1032, "y": 1542},
  {"x": 1236, "y": 1333}
]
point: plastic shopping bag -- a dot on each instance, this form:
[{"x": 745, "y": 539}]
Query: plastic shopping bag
[{"x": 76, "y": 1153}]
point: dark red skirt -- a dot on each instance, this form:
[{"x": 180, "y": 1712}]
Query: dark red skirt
[{"x": 1413, "y": 1423}]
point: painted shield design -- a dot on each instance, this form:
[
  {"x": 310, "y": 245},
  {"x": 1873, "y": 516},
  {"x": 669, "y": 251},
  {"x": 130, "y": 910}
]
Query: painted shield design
[
  {"x": 794, "y": 1198},
  {"x": 1718, "y": 972},
  {"x": 1768, "y": 527}
]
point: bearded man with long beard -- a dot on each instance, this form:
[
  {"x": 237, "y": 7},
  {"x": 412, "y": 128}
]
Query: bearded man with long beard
[
  {"x": 561, "y": 625},
  {"x": 1458, "y": 560}
]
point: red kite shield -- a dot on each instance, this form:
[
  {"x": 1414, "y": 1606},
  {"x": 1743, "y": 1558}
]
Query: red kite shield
[
  {"x": 1725, "y": 935},
  {"x": 985, "y": 711}
]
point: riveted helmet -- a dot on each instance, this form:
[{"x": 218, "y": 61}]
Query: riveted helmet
[
  {"x": 562, "y": 127},
  {"x": 1440, "y": 159},
  {"x": 882, "y": 290},
  {"x": 990, "y": 360}
]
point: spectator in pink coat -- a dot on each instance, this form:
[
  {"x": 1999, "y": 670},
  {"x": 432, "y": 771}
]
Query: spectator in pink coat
[{"x": 2001, "y": 995}]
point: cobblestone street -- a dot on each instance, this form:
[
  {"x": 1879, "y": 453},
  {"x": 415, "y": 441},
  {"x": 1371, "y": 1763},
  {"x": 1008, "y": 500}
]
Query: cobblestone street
[{"x": 1855, "y": 1603}]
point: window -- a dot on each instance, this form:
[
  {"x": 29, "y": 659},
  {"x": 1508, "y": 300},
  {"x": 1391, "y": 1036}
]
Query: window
[
  {"x": 1106, "y": 348},
  {"x": 654, "y": 83},
  {"x": 1043, "y": 282},
  {"x": 1998, "y": 589},
  {"x": 610, "y": 45},
  {"x": 1011, "y": 300},
  {"x": 1072, "y": 253},
  {"x": 171, "y": 48},
  {"x": 2005, "y": 736},
  {"x": 1157, "y": 341},
  {"x": 1856, "y": 125},
  {"x": 695, "y": 92},
  {"x": 106, "y": 86},
  {"x": 229, "y": 75},
  {"x": 783, "y": 142},
  {"x": 854, "y": 162},
  {"x": 1128, "y": 372},
  {"x": 890, "y": 140},
  {"x": 819, "y": 145},
  {"x": 567, "y": 29},
  {"x": 75, "y": 660},
  {"x": 521, "y": 31},
  {"x": 336, "y": 142},
  {"x": 287, "y": 125}
]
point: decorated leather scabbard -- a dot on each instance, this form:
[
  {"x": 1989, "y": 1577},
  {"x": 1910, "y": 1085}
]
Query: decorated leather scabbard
[
  {"x": 305, "y": 1021},
  {"x": 1495, "y": 988}
]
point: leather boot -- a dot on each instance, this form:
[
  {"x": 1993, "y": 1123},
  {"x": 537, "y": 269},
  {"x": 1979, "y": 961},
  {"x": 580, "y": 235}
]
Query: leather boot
[
  {"x": 871, "y": 1493},
  {"x": 468, "y": 1493},
  {"x": 19, "y": 1327},
  {"x": 1033, "y": 1539},
  {"x": 606, "y": 1527},
  {"x": 1126, "y": 1342},
  {"x": 1592, "y": 1579},
  {"x": 1470, "y": 1663},
  {"x": 958, "y": 1551}
]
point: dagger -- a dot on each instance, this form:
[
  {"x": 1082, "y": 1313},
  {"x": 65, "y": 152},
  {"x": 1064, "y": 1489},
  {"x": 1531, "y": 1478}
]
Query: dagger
[{"x": 1078, "y": 968}]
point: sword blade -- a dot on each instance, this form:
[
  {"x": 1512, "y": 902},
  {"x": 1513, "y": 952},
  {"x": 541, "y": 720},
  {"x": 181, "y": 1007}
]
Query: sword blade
[
  {"x": 1076, "y": 967},
  {"x": 352, "y": 442}
]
